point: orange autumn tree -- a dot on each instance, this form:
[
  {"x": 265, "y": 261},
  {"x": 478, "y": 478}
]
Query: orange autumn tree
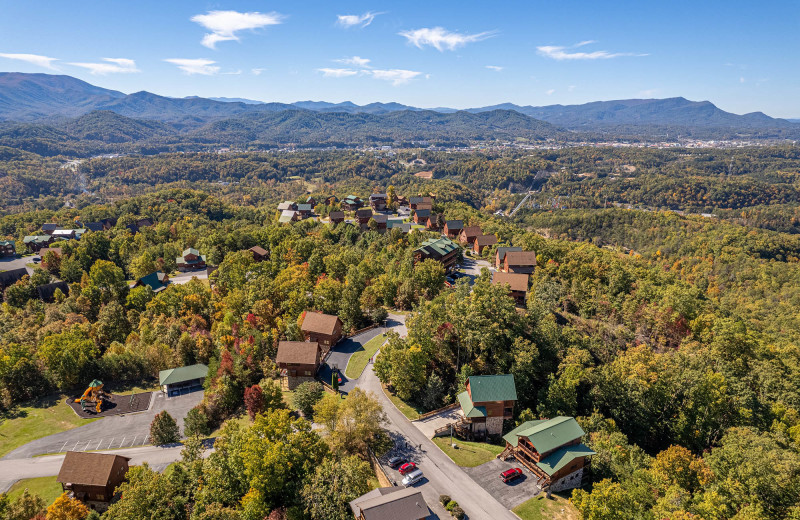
[{"x": 66, "y": 508}]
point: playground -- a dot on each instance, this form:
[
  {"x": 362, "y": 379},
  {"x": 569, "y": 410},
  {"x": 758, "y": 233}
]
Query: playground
[{"x": 97, "y": 402}]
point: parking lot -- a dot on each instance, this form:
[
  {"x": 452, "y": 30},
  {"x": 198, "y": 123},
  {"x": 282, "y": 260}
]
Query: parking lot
[{"x": 509, "y": 494}]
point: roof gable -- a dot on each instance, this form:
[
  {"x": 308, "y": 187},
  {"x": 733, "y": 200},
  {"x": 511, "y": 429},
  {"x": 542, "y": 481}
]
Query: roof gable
[
  {"x": 563, "y": 456},
  {"x": 298, "y": 352},
  {"x": 394, "y": 503},
  {"x": 503, "y": 250},
  {"x": 526, "y": 258},
  {"x": 89, "y": 469},
  {"x": 516, "y": 281},
  {"x": 181, "y": 374},
  {"x": 499, "y": 387},
  {"x": 547, "y": 435},
  {"x": 320, "y": 323}
]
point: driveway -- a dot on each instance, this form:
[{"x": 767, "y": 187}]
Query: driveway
[
  {"x": 118, "y": 431},
  {"x": 429, "y": 425},
  {"x": 16, "y": 262},
  {"x": 472, "y": 268},
  {"x": 512, "y": 494},
  {"x": 341, "y": 352},
  {"x": 182, "y": 278}
]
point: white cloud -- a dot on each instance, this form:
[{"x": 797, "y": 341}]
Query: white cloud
[
  {"x": 561, "y": 53},
  {"x": 35, "y": 59},
  {"x": 111, "y": 66},
  {"x": 741, "y": 79},
  {"x": 440, "y": 38},
  {"x": 551, "y": 92},
  {"x": 396, "y": 76},
  {"x": 494, "y": 67},
  {"x": 257, "y": 71},
  {"x": 225, "y": 24},
  {"x": 351, "y": 20},
  {"x": 648, "y": 93},
  {"x": 337, "y": 73},
  {"x": 356, "y": 61},
  {"x": 195, "y": 66}
]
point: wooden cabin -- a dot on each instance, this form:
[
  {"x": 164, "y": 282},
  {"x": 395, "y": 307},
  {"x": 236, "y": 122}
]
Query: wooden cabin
[
  {"x": 8, "y": 248},
  {"x": 325, "y": 329},
  {"x": 519, "y": 262},
  {"x": 517, "y": 285},
  {"x": 452, "y": 228},
  {"x": 336, "y": 217},
  {"x": 500, "y": 255},
  {"x": 552, "y": 450},
  {"x": 298, "y": 362},
  {"x": 259, "y": 253},
  {"x": 469, "y": 234},
  {"x": 421, "y": 216},
  {"x": 92, "y": 477},
  {"x": 378, "y": 201},
  {"x": 487, "y": 402},
  {"x": 482, "y": 242},
  {"x": 443, "y": 250},
  {"x": 391, "y": 503},
  {"x": 190, "y": 260}
]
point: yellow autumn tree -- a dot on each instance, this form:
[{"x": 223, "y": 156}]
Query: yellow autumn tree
[{"x": 66, "y": 508}]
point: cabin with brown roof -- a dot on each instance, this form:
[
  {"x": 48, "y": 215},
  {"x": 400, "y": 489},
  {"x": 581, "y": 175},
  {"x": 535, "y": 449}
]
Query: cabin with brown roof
[
  {"x": 469, "y": 234},
  {"x": 378, "y": 201},
  {"x": 55, "y": 250},
  {"x": 259, "y": 253},
  {"x": 519, "y": 262},
  {"x": 500, "y": 255},
  {"x": 363, "y": 215},
  {"x": 414, "y": 202},
  {"x": 517, "y": 285},
  {"x": 421, "y": 216},
  {"x": 434, "y": 222},
  {"x": 92, "y": 477},
  {"x": 47, "y": 292},
  {"x": 298, "y": 362},
  {"x": 391, "y": 503},
  {"x": 325, "y": 329},
  {"x": 482, "y": 242},
  {"x": 381, "y": 221},
  {"x": 336, "y": 217}
]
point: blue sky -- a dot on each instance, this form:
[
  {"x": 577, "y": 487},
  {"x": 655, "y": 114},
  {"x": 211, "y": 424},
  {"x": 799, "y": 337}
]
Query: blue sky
[{"x": 743, "y": 56}]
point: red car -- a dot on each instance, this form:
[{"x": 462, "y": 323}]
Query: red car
[
  {"x": 511, "y": 474},
  {"x": 408, "y": 467}
]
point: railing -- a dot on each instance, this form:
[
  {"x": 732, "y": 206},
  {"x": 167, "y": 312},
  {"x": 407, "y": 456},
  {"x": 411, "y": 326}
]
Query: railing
[{"x": 440, "y": 410}]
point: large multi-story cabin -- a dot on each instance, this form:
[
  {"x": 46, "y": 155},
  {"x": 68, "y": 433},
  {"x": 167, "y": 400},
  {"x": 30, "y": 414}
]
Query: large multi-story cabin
[
  {"x": 190, "y": 259},
  {"x": 8, "y": 248},
  {"x": 519, "y": 262},
  {"x": 92, "y": 477},
  {"x": 351, "y": 203},
  {"x": 325, "y": 329},
  {"x": 378, "y": 201},
  {"x": 442, "y": 250},
  {"x": 552, "y": 450},
  {"x": 487, "y": 402},
  {"x": 298, "y": 362}
]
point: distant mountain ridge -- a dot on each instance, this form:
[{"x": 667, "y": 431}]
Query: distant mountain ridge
[{"x": 48, "y": 98}]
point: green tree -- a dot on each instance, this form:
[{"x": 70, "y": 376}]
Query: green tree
[
  {"x": 306, "y": 396},
  {"x": 333, "y": 485},
  {"x": 196, "y": 423},
  {"x": 352, "y": 424},
  {"x": 109, "y": 280},
  {"x": 25, "y": 507},
  {"x": 68, "y": 355},
  {"x": 164, "y": 429},
  {"x": 429, "y": 277}
]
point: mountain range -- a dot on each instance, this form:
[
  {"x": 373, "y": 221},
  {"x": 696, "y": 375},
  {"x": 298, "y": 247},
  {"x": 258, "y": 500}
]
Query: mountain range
[{"x": 57, "y": 109}]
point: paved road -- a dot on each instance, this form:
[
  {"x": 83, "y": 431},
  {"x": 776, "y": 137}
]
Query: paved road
[
  {"x": 9, "y": 263},
  {"x": 341, "y": 353},
  {"x": 182, "y": 278},
  {"x": 117, "y": 431},
  {"x": 13, "y": 470},
  {"x": 443, "y": 476}
]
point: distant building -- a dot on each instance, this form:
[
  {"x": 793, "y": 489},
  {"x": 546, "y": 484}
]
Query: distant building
[
  {"x": 469, "y": 234},
  {"x": 416, "y": 201},
  {"x": 311, "y": 201},
  {"x": 363, "y": 215},
  {"x": 517, "y": 284},
  {"x": 156, "y": 280},
  {"x": 519, "y": 262},
  {"x": 55, "y": 250},
  {"x": 49, "y": 227},
  {"x": 92, "y": 477},
  {"x": 182, "y": 380},
  {"x": 325, "y": 329},
  {"x": 552, "y": 450},
  {"x": 351, "y": 203},
  {"x": 381, "y": 220},
  {"x": 289, "y": 215},
  {"x": 500, "y": 255},
  {"x": 305, "y": 210},
  {"x": 10, "y": 277},
  {"x": 434, "y": 222},
  {"x": 36, "y": 242},
  {"x": 47, "y": 292},
  {"x": 391, "y": 503},
  {"x": 486, "y": 403},
  {"x": 298, "y": 362},
  {"x": 190, "y": 260},
  {"x": 378, "y": 201},
  {"x": 443, "y": 250},
  {"x": 421, "y": 216},
  {"x": 452, "y": 228},
  {"x": 8, "y": 248},
  {"x": 287, "y": 206},
  {"x": 259, "y": 253},
  {"x": 336, "y": 217},
  {"x": 482, "y": 242}
]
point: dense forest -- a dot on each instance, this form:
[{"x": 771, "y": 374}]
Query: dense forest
[{"x": 673, "y": 337}]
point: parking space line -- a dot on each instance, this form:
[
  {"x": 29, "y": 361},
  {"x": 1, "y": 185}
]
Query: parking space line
[
  {"x": 133, "y": 442},
  {"x": 98, "y": 444},
  {"x": 62, "y": 447},
  {"x": 109, "y": 443},
  {"x": 86, "y": 448},
  {"x": 122, "y": 442},
  {"x": 74, "y": 448}
]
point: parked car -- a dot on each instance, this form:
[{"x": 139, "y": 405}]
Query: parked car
[
  {"x": 408, "y": 467},
  {"x": 511, "y": 474},
  {"x": 395, "y": 461},
  {"x": 458, "y": 274},
  {"x": 412, "y": 478}
]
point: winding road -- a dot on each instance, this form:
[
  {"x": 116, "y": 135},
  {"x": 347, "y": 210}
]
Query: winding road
[{"x": 442, "y": 475}]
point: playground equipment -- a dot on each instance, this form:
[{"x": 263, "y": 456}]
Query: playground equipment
[{"x": 93, "y": 397}]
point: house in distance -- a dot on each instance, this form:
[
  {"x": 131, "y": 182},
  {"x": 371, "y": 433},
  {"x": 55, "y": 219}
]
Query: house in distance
[
  {"x": 487, "y": 402},
  {"x": 182, "y": 380},
  {"x": 190, "y": 260},
  {"x": 443, "y": 250},
  {"x": 325, "y": 329},
  {"x": 517, "y": 285}
]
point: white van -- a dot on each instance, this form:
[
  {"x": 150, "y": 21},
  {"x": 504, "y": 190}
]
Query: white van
[{"x": 412, "y": 478}]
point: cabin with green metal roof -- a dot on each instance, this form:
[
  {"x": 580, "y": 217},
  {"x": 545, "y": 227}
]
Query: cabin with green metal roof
[
  {"x": 190, "y": 259},
  {"x": 443, "y": 250},
  {"x": 552, "y": 450},
  {"x": 487, "y": 402},
  {"x": 8, "y": 248}
]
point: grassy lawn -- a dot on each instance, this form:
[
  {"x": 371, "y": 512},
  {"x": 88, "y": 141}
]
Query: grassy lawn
[
  {"x": 134, "y": 389},
  {"x": 38, "y": 419},
  {"x": 243, "y": 419},
  {"x": 542, "y": 508},
  {"x": 468, "y": 454},
  {"x": 409, "y": 410},
  {"x": 45, "y": 487},
  {"x": 358, "y": 361}
]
